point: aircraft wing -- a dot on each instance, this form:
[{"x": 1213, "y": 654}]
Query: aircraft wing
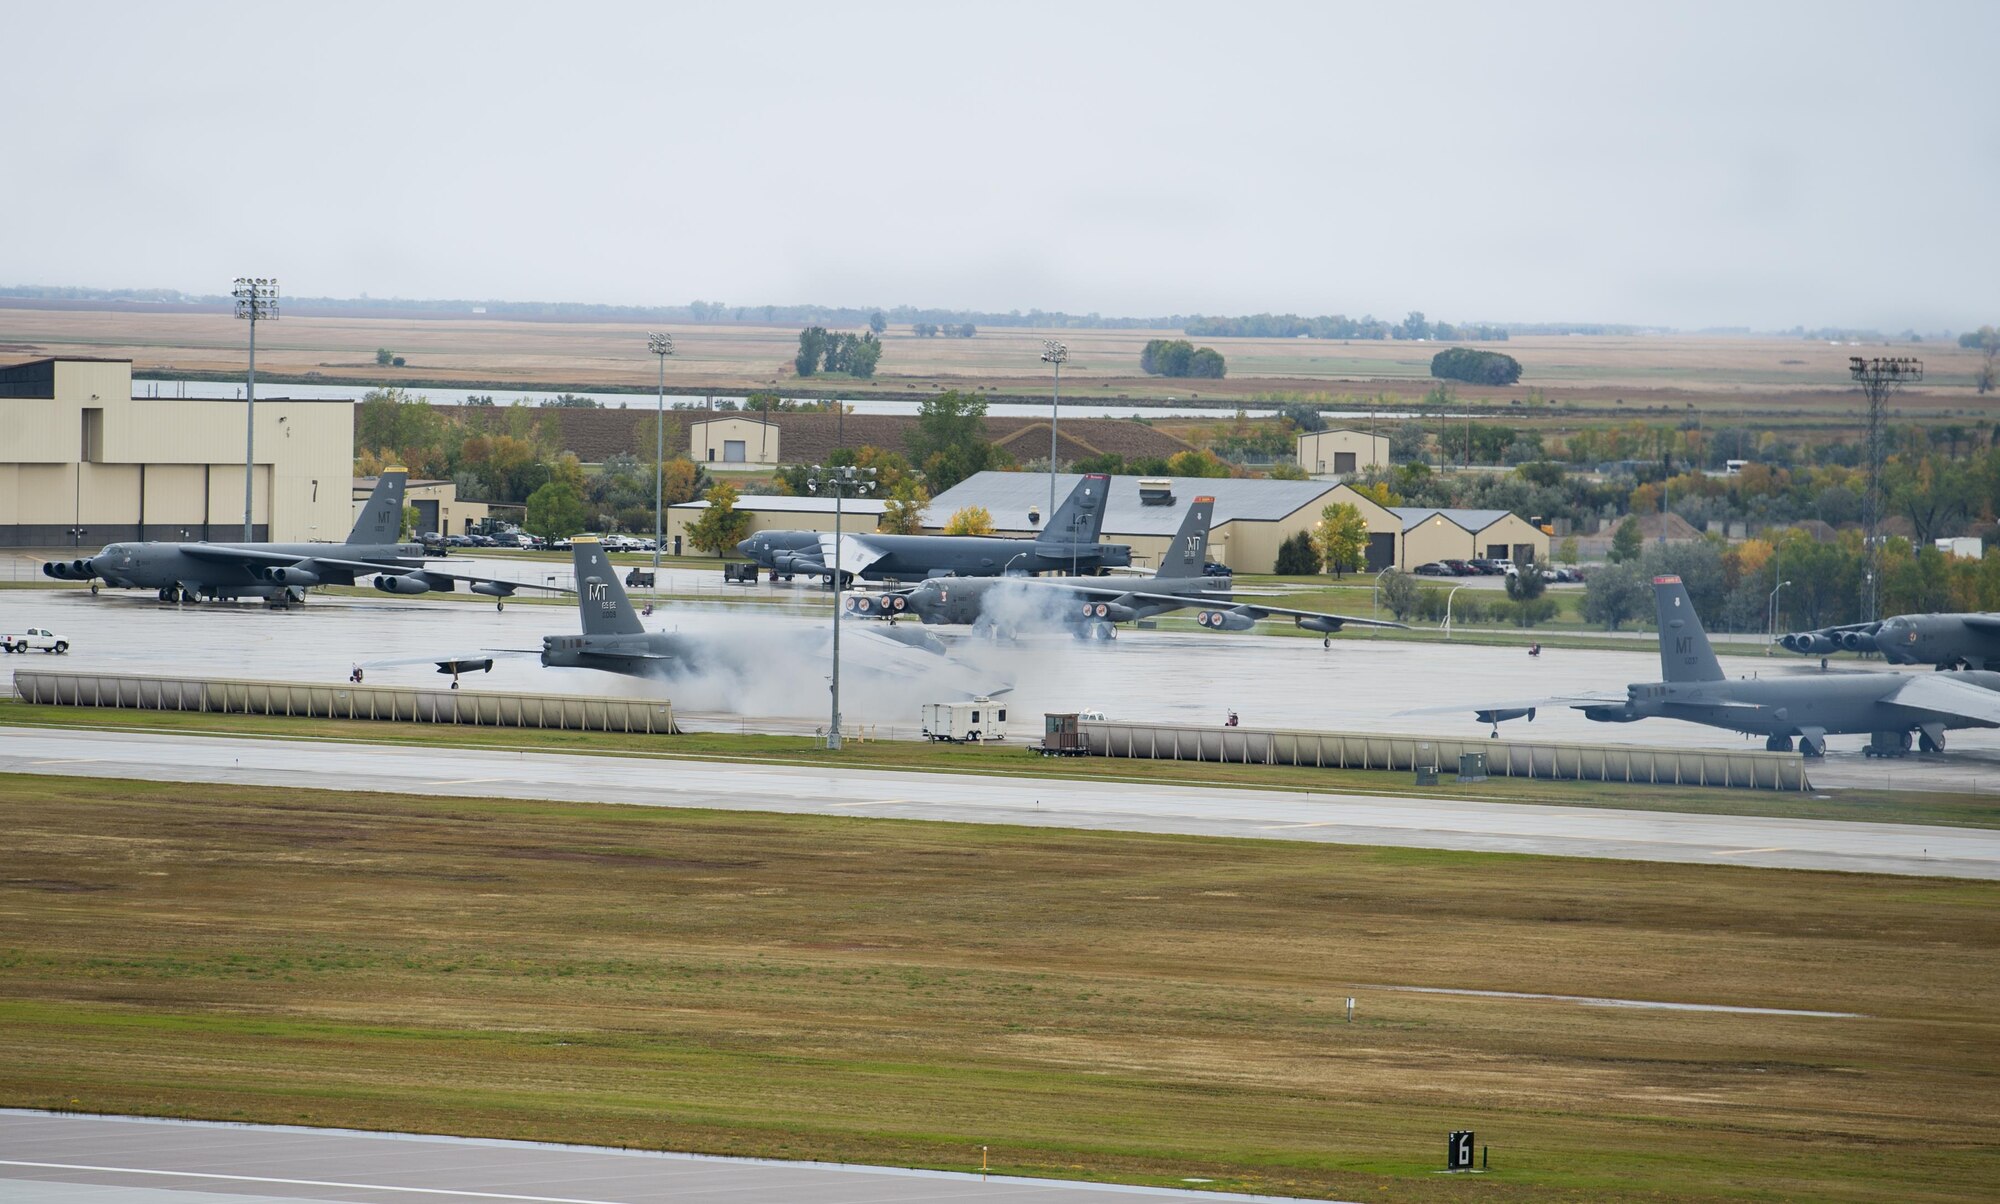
[
  {"x": 1982, "y": 622},
  {"x": 224, "y": 554},
  {"x": 1947, "y": 695},
  {"x": 1258, "y": 611},
  {"x": 855, "y": 554},
  {"x": 436, "y": 575},
  {"x": 1522, "y": 704}
]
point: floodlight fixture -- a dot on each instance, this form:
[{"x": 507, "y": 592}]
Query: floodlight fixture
[
  {"x": 256, "y": 300},
  {"x": 1879, "y": 376}
]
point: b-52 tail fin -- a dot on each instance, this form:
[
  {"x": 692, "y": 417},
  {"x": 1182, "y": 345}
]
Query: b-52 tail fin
[
  {"x": 1187, "y": 555},
  {"x": 600, "y": 598},
  {"x": 1081, "y": 516},
  {"x": 381, "y": 520},
  {"x": 1684, "y": 651}
]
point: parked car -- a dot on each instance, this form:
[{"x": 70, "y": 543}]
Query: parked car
[
  {"x": 34, "y": 637},
  {"x": 1460, "y": 568},
  {"x": 458, "y": 541},
  {"x": 1433, "y": 569},
  {"x": 561, "y": 543},
  {"x": 1486, "y": 567},
  {"x": 1212, "y": 569}
]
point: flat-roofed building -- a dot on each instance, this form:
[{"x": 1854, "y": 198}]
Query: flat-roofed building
[
  {"x": 1342, "y": 451},
  {"x": 735, "y": 442},
  {"x": 85, "y": 463},
  {"x": 439, "y": 508}
]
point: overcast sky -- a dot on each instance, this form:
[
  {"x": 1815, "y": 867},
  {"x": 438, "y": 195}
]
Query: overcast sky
[{"x": 1689, "y": 165}]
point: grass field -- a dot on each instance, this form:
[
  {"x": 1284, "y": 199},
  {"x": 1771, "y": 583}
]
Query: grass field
[
  {"x": 1138, "y": 1008},
  {"x": 1720, "y": 374}
]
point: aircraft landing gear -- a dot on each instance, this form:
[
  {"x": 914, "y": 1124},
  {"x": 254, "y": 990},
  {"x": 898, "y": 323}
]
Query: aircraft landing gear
[
  {"x": 1326, "y": 641},
  {"x": 1930, "y": 738},
  {"x": 93, "y": 589},
  {"x": 1777, "y": 744},
  {"x": 499, "y": 606},
  {"x": 1812, "y": 744},
  {"x": 1888, "y": 744}
]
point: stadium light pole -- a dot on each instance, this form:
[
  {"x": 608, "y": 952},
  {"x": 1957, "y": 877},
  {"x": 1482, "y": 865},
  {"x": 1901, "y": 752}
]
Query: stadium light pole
[
  {"x": 661, "y": 344},
  {"x": 1878, "y": 377},
  {"x": 839, "y": 481},
  {"x": 1055, "y": 354},
  {"x": 256, "y": 298},
  {"x": 1771, "y": 624}
]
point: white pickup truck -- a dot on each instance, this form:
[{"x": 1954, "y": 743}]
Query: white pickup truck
[{"x": 34, "y": 637}]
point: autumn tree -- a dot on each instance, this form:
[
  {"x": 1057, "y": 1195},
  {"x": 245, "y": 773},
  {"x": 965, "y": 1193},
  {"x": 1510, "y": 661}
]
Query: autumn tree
[
  {"x": 970, "y": 520},
  {"x": 1341, "y": 537}
]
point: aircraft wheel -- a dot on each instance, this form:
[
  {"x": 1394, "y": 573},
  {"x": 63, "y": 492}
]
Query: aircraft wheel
[
  {"x": 93, "y": 587},
  {"x": 499, "y": 606},
  {"x": 1926, "y": 744},
  {"x": 1326, "y": 641},
  {"x": 1777, "y": 744}
]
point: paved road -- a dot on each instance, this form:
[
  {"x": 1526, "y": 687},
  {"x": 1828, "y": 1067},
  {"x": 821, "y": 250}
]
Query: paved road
[
  {"x": 1109, "y": 805},
  {"x": 53, "y": 1159},
  {"x": 769, "y": 672}
]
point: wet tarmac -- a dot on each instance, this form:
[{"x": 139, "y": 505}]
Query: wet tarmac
[{"x": 775, "y": 679}]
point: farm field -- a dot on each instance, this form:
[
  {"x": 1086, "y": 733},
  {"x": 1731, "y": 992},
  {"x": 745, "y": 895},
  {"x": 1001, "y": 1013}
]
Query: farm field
[
  {"x": 1091, "y": 1005},
  {"x": 1720, "y": 375}
]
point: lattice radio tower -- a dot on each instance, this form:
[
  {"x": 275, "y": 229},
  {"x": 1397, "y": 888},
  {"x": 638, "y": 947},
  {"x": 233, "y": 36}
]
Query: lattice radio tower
[{"x": 1878, "y": 377}]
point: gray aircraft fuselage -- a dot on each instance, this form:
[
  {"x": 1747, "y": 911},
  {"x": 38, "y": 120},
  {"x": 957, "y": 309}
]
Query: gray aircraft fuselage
[
  {"x": 1831, "y": 703},
  {"x": 915, "y": 557},
  {"x": 160, "y": 565},
  {"x": 1946, "y": 640},
  {"x": 965, "y": 600}
]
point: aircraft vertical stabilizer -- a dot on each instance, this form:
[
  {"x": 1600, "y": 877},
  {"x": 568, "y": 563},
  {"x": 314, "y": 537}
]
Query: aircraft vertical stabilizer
[
  {"x": 1187, "y": 555},
  {"x": 1684, "y": 651},
  {"x": 381, "y": 520},
  {"x": 600, "y": 598},
  {"x": 1081, "y": 516}
]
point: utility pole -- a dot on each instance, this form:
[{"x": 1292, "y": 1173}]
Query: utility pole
[
  {"x": 1054, "y": 354},
  {"x": 1879, "y": 378},
  {"x": 839, "y": 481},
  {"x": 256, "y": 297},
  {"x": 661, "y": 344}
]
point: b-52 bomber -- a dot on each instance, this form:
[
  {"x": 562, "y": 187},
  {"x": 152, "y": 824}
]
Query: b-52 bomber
[
  {"x": 1090, "y": 608},
  {"x": 1808, "y": 706},
  {"x": 280, "y": 573},
  {"x": 1068, "y": 544},
  {"x": 1951, "y": 641}
]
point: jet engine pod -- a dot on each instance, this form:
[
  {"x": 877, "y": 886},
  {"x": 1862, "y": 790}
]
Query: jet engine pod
[
  {"x": 291, "y": 575},
  {"x": 480, "y": 664},
  {"x": 1506, "y": 713},
  {"x": 896, "y": 602},
  {"x": 402, "y": 583},
  {"x": 1858, "y": 641},
  {"x": 1225, "y": 620},
  {"x": 1811, "y": 643},
  {"x": 492, "y": 589},
  {"x": 1615, "y": 713},
  {"x": 56, "y": 569},
  {"x": 1326, "y": 626}
]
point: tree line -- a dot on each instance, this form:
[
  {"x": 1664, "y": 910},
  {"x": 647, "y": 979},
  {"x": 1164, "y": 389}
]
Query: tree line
[
  {"x": 931, "y": 330},
  {"x": 854, "y": 354},
  {"x": 1336, "y": 326},
  {"x": 1178, "y": 357}
]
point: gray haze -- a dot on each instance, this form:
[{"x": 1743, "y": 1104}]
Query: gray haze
[{"x": 1689, "y": 165}]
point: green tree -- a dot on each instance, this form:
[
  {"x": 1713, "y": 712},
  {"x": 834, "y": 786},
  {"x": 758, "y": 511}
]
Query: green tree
[
  {"x": 555, "y": 510},
  {"x": 970, "y": 520},
  {"x": 1297, "y": 556},
  {"x": 1615, "y": 595},
  {"x": 383, "y": 356},
  {"x": 720, "y": 527},
  {"x": 1399, "y": 592},
  {"x": 410, "y": 516},
  {"x": 903, "y": 512},
  {"x": 1207, "y": 364},
  {"x": 1625, "y": 542},
  {"x": 1566, "y": 550},
  {"x": 950, "y": 439},
  {"x": 1341, "y": 537},
  {"x": 1526, "y": 583},
  {"x": 878, "y": 322},
  {"x": 812, "y": 348},
  {"x": 1475, "y": 367}
]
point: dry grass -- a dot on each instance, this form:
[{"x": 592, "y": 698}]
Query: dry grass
[
  {"x": 1143, "y": 1008},
  {"x": 1717, "y": 373}
]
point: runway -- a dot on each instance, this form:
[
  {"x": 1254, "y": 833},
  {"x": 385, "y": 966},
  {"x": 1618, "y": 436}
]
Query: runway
[
  {"x": 1182, "y": 677},
  {"x": 58, "y": 1159},
  {"x": 1433, "y": 823}
]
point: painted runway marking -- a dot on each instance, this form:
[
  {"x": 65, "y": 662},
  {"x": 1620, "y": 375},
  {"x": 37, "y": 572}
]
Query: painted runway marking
[
  {"x": 418, "y": 1191},
  {"x": 67, "y": 761},
  {"x": 1743, "y": 852},
  {"x": 465, "y": 781},
  {"x": 1601, "y": 1002},
  {"x": 1282, "y": 827}
]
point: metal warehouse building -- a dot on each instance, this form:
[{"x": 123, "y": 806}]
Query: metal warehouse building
[{"x": 84, "y": 463}]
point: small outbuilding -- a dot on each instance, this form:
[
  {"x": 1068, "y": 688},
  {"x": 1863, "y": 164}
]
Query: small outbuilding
[{"x": 1342, "y": 452}]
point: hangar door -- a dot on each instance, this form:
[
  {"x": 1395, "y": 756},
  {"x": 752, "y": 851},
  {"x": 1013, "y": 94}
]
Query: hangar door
[
  {"x": 1381, "y": 551},
  {"x": 427, "y": 517}
]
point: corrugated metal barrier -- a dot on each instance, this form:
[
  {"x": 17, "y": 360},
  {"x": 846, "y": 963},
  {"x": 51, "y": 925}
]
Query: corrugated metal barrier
[
  {"x": 1756, "y": 770},
  {"x": 396, "y": 704}
]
